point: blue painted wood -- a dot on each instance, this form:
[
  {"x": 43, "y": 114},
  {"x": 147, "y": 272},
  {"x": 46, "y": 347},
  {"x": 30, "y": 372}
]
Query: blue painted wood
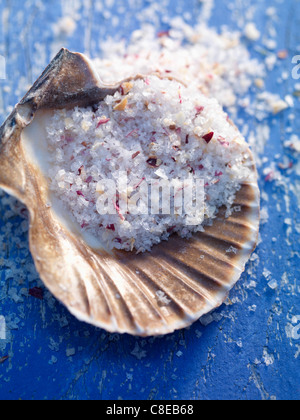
[{"x": 251, "y": 351}]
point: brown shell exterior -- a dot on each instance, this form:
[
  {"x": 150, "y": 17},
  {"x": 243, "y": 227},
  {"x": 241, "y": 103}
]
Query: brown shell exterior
[{"x": 118, "y": 292}]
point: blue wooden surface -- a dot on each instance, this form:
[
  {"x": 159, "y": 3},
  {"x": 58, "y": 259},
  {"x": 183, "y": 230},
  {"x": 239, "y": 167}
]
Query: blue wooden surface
[{"x": 252, "y": 349}]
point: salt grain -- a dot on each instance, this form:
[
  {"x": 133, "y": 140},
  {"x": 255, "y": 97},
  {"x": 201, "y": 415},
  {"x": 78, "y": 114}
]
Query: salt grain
[
  {"x": 273, "y": 284},
  {"x": 251, "y": 32}
]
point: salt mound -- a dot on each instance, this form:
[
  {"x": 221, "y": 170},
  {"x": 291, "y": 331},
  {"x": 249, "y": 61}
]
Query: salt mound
[{"x": 152, "y": 132}]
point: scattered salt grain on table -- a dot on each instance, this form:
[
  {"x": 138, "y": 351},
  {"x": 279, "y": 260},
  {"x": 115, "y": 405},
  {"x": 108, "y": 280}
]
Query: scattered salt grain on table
[
  {"x": 70, "y": 352},
  {"x": 65, "y": 26},
  {"x": 251, "y": 32},
  {"x": 273, "y": 284}
]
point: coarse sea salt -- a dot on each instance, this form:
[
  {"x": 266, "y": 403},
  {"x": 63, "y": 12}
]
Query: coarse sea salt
[
  {"x": 251, "y": 32},
  {"x": 184, "y": 135},
  {"x": 88, "y": 144},
  {"x": 217, "y": 64}
]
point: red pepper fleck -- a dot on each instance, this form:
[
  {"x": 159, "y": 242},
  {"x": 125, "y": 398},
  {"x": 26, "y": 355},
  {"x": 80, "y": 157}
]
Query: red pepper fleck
[
  {"x": 89, "y": 180},
  {"x": 180, "y": 97},
  {"x": 178, "y": 191},
  {"x": 216, "y": 181},
  {"x": 80, "y": 193},
  {"x": 84, "y": 224},
  {"x": 201, "y": 167},
  {"x": 152, "y": 162},
  {"x": 208, "y": 137},
  {"x": 223, "y": 141},
  {"x": 111, "y": 227},
  {"x": 218, "y": 173},
  {"x": 102, "y": 122},
  {"x": 3, "y": 359},
  {"x": 163, "y": 33},
  {"x": 37, "y": 293},
  {"x": 69, "y": 139},
  {"x": 283, "y": 54},
  {"x": 80, "y": 170},
  {"x": 133, "y": 132},
  {"x": 24, "y": 213},
  {"x": 135, "y": 155},
  {"x": 192, "y": 170},
  {"x": 199, "y": 110},
  {"x": 116, "y": 205},
  {"x": 285, "y": 167},
  {"x": 137, "y": 186},
  {"x": 270, "y": 176},
  {"x": 170, "y": 230}
]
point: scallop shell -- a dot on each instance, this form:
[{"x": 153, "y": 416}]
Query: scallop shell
[{"x": 154, "y": 293}]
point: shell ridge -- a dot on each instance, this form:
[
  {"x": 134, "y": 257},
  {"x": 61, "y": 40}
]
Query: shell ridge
[
  {"x": 141, "y": 289},
  {"x": 195, "y": 286},
  {"x": 176, "y": 299}
]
